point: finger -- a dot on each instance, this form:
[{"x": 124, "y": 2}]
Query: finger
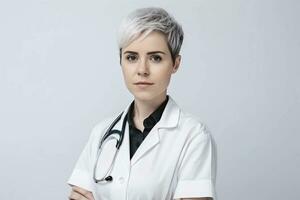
[
  {"x": 76, "y": 196},
  {"x": 83, "y": 192}
]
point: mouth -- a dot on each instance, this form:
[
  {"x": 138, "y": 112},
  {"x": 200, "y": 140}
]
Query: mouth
[{"x": 143, "y": 83}]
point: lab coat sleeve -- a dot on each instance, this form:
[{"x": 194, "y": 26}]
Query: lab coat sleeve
[
  {"x": 197, "y": 172},
  {"x": 82, "y": 174}
]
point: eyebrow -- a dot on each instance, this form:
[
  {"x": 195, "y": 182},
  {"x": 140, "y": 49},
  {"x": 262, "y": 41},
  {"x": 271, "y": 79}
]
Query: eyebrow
[{"x": 149, "y": 53}]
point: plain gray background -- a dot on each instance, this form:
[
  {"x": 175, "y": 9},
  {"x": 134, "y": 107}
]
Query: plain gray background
[{"x": 60, "y": 75}]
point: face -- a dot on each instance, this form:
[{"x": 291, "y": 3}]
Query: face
[{"x": 148, "y": 60}]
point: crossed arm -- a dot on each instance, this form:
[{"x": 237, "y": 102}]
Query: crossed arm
[
  {"x": 202, "y": 198},
  {"x": 78, "y": 193}
]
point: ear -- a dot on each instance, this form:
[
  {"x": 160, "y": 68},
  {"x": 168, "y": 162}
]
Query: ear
[{"x": 176, "y": 64}]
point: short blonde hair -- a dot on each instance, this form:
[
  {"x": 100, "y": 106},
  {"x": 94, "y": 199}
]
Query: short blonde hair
[{"x": 146, "y": 20}]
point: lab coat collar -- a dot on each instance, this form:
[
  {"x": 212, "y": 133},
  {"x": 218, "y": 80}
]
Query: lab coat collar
[
  {"x": 170, "y": 116},
  {"x": 169, "y": 119}
]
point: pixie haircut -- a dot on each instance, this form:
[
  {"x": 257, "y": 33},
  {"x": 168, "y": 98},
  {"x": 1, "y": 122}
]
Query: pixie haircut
[{"x": 146, "y": 20}]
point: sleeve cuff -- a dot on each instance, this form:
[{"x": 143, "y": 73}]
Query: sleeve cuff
[
  {"x": 192, "y": 188},
  {"x": 81, "y": 179}
]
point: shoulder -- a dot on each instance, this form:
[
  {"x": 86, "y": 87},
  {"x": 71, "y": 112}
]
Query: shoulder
[
  {"x": 100, "y": 127},
  {"x": 186, "y": 121},
  {"x": 193, "y": 125}
]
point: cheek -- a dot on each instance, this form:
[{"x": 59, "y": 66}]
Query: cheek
[
  {"x": 125, "y": 72},
  {"x": 127, "y": 75},
  {"x": 164, "y": 77},
  {"x": 163, "y": 73}
]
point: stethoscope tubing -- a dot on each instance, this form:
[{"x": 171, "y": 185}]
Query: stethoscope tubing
[{"x": 108, "y": 133}]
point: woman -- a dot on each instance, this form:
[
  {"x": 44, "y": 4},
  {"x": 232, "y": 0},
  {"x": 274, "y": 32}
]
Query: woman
[{"x": 165, "y": 152}]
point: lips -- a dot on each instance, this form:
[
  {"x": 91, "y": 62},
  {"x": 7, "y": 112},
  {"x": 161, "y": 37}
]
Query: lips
[{"x": 143, "y": 83}]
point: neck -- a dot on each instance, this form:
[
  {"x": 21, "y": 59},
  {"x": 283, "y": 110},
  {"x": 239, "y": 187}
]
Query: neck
[{"x": 143, "y": 108}]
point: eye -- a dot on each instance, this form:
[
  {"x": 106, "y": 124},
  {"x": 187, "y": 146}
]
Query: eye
[
  {"x": 155, "y": 58},
  {"x": 131, "y": 58}
]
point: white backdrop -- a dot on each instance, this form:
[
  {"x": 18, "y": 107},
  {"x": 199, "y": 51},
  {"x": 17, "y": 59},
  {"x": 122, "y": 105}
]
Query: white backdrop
[{"x": 60, "y": 75}]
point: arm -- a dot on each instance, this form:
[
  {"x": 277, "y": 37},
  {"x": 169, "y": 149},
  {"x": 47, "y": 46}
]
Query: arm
[
  {"x": 198, "y": 168},
  {"x": 202, "y": 198},
  {"x": 79, "y": 193}
]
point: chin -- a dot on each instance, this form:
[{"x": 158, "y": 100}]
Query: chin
[{"x": 144, "y": 96}]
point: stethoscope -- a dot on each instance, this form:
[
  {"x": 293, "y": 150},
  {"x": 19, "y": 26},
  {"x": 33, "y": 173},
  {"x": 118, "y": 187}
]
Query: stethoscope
[{"x": 110, "y": 135}]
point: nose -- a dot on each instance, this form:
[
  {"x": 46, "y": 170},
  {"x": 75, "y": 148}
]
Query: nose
[{"x": 143, "y": 69}]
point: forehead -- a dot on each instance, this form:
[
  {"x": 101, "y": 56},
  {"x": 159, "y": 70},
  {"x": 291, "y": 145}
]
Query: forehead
[{"x": 154, "y": 41}]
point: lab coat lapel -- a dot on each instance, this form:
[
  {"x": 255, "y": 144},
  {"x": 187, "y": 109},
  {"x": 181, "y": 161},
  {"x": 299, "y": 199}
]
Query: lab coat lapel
[
  {"x": 168, "y": 119},
  {"x": 149, "y": 142}
]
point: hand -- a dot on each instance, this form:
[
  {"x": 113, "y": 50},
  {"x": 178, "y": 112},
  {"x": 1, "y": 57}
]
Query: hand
[{"x": 79, "y": 193}]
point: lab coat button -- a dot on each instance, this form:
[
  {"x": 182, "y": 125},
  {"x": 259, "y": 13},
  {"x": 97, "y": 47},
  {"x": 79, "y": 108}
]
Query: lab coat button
[{"x": 121, "y": 180}]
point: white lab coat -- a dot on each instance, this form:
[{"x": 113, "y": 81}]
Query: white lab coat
[{"x": 176, "y": 160}]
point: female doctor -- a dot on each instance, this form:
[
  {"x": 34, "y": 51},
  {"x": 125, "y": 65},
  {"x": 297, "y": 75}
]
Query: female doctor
[{"x": 153, "y": 150}]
